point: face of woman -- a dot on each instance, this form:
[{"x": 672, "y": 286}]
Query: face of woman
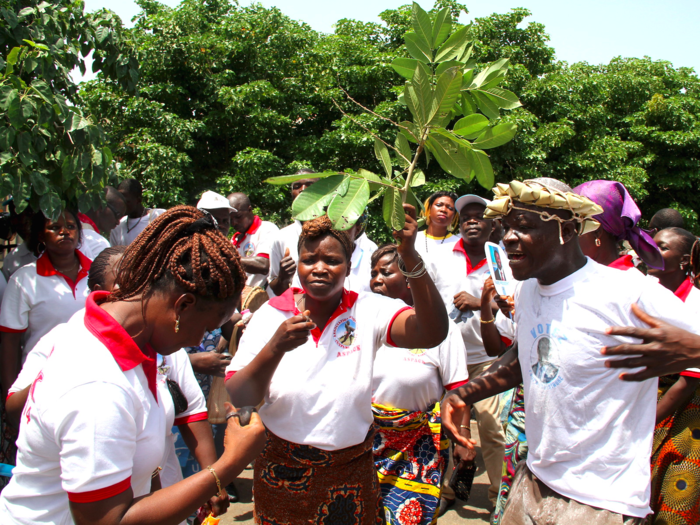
[
  {"x": 61, "y": 237},
  {"x": 388, "y": 281},
  {"x": 442, "y": 211},
  {"x": 322, "y": 267},
  {"x": 672, "y": 252}
]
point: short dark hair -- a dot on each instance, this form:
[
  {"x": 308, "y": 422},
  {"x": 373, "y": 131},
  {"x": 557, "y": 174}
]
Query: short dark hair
[
  {"x": 96, "y": 274},
  {"x": 132, "y": 187},
  {"x": 387, "y": 249},
  {"x": 38, "y": 225},
  {"x": 667, "y": 218}
]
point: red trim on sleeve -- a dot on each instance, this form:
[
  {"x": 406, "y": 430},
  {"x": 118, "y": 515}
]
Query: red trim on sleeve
[
  {"x": 690, "y": 373},
  {"x": 100, "y": 494},
  {"x": 229, "y": 375},
  {"x": 684, "y": 289},
  {"x": 87, "y": 220},
  {"x": 9, "y": 395},
  {"x": 389, "y": 340},
  {"x": 506, "y": 341},
  {"x": 263, "y": 255},
  {"x": 12, "y": 330},
  {"x": 623, "y": 263},
  {"x": 452, "y": 386},
  {"x": 192, "y": 418}
]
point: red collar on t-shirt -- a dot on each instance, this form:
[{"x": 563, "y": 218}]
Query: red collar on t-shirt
[
  {"x": 459, "y": 247},
  {"x": 285, "y": 303},
  {"x": 119, "y": 343},
  {"x": 45, "y": 268},
  {"x": 87, "y": 220},
  {"x": 623, "y": 263},
  {"x": 684, "y": 289},
  {"x": 238, "y": 238}
]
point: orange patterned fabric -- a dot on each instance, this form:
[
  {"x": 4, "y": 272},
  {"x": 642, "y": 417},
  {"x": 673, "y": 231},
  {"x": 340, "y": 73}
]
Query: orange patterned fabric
[{"x": 675, "y": 463}]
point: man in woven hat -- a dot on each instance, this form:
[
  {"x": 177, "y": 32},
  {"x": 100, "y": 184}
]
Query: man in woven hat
[{"x": 589, "y": 433}]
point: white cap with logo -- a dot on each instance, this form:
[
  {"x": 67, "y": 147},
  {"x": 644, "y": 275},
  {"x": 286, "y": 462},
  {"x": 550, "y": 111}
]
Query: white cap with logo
[
  {"x": 213, "y": 201},
  {"x": 470, "y": 199}
]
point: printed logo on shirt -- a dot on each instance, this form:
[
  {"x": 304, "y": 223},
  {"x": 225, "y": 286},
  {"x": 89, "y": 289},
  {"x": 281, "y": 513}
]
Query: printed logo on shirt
[
  {"x": 418, "y": 351},
  {"x": 344, "y": 332},
  {"x": 249, "y": 250},
  {"x": 545, "y": 365}
]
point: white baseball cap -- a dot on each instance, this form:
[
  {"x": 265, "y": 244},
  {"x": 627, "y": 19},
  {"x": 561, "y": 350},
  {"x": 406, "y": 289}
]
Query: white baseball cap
[
  {"x": 213, "y": 201},
  {"x": 470, "y": 199}
]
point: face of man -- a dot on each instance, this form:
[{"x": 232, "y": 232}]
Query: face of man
[
  {"x": 301, "y": 185},
  {"x": 133, "y": 204},
  {"x": 475, "y": 230},
  {"x": 108, "y": 217},
  {"x": 223, "y": 219},
  {"x": 533, "y": 245},
  {"x": 242, "y": 220}
]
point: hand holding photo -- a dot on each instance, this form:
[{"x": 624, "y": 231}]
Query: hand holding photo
[{"x": 500, "y": 271}]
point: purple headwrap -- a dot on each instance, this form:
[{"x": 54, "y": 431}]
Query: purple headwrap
[{"x": 620, "y": 217}]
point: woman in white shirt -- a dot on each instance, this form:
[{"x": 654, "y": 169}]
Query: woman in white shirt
[
  {"x": 42, "y": 294},
  {"x": 441, "y": 220},
  {"x": 93, "y": 426},
  {"x": 317, "y": 464},
  {"x": 410, "y": 450}
]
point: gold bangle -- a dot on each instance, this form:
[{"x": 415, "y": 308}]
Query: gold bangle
[
  {"x": 465, "y": 426},
  {"x": 218, "y": 482},
  {"x": 487, "y": 322}
]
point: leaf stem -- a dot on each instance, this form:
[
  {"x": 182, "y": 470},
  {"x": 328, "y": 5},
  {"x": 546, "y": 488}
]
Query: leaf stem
[{"x": 414, "y": 162}]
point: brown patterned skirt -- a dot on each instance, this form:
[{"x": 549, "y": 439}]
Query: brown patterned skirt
[{"x": 300, "y": 484}]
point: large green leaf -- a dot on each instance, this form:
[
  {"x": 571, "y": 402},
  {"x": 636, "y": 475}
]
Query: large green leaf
[
  {"x": 497, "y": 68},
  {"x": 7, "y": 95},
  {"x": 392, "y": 209},
  {"x": 482, "y": 167},
  {"x": 444, "y": 66},
  {"x": 39, "y": 182},
  {"x": 288, "y": 179},
  {"x": 418, "y": 178},
  {"x": 454, "y": 47},
  {"x": 470, "y": 125},
  {"x": 486, "y": 105},
  {"x": 496, "y": 136},
  {"x": 7, "y": 138},
  {"x": 451, "y": 159},
  {"x": 468, "y": 104},
  {"x": 405, "y": 67},
  {"x": 503, "y": 98},
  {"x": 382, "y": 154},
  {"x": 14, "y": 111},
  {"x": 414, "y": 201},
  {"x": 418, "y": 49},
  {"x": 457, "y": 142},
  {"x": 422, "y": 25},
  {"x": 441, "y": 27},
  {"x": 401, "y": 144},
  {"x": 311, "y": 203},
  {"x": 11, "y": 60},
  {"x": 410, "y": 131},
  {"x": 346, "y": 209},
  {"x": 447, "y": 92},
  {"x": 51, "y": 205},
  {"x": 421, "y": 95},
  {"x": 375, "y": 181}
]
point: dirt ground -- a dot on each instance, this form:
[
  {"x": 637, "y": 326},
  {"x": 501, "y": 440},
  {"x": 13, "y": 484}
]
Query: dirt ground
[{"x": 476, "y": 511}]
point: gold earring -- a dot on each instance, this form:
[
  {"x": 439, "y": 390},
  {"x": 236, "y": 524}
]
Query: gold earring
[
  {"x": 597, "y": 242},
  {"x": 177, "y": 324}
]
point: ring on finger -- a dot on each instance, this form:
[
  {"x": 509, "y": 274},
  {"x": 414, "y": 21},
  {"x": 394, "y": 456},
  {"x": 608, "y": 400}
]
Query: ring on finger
[{"x": 233, "y": 414}]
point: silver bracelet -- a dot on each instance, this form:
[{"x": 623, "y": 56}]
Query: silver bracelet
[{"x": 418, "y": 271}]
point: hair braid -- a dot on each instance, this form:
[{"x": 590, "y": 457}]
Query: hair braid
[
  {"x": 183, "y": 248},
  {"x": 321, "y": 227}
]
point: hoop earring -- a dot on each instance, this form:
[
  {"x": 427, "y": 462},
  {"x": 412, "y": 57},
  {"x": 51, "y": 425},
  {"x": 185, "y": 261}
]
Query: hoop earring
[
  {"x": 41, "y": 247},
  {"x": 597, "y": 242},
  {"x": 177, "y": 324}
]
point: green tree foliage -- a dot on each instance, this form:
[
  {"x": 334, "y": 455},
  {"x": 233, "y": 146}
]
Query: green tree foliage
[{"x": 51, "y": 153}]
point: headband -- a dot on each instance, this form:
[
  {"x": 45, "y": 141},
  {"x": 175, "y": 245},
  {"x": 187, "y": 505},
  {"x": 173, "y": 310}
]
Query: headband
[{"x": 537, "y": 194}]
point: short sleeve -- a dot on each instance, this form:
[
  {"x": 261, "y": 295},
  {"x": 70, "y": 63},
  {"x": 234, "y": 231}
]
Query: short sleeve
[
  {"x": 505, "y": 327},
  {"x": 34, "y": 362},
  {"x": 267, "y": 236},
  {"x": 276, "y": 253},
  {"x": 181, "y": 372},
  {"x": 260, "y": 329},
  {"x": 382, "y": 311},
  {"x": 14, "y": 312},
  {"x": 658, "y": 301},
  {"x": 114, "y": 235},
  {"x": 95, "y": 429},
  {"x": 453, "y": 359},
  {"x": 3, "y": 285}
]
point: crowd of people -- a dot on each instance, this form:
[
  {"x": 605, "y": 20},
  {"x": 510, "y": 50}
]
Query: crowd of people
[{"x": 143, "y": 373}]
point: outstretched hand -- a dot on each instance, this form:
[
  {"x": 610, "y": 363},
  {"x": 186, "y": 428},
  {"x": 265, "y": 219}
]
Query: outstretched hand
[
  {"x": 666, "y": 349},
  {"x": 406, "y": 237},
  {"x": 453, "y": 409}
]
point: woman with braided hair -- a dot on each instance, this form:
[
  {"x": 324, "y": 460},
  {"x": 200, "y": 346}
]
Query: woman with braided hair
[
  {"x": 315, "y": 374},
  {"x": 93, "y": 426}
]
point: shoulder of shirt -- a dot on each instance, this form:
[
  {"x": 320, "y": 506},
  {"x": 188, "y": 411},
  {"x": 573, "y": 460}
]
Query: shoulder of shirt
[
  {"x": 26, "y": 271},
  {"x": 270, "y": 225}
]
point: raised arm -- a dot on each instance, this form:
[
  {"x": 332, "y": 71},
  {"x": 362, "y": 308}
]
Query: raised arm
[
  {"x": 256, "y": 264},
  {"x": 491, "y": 337},
  {"x": 427, "y": 324}
]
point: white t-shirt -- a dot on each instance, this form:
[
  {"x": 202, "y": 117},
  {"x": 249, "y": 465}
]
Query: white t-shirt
[
  {"x": 428, "y": 246},
  {"x": 93, "y": 243},
  {"x": 287, "y": 239},
  {"x": 361, "y": 265},
  {"x": 414, "y": 379},
  {"x": 38, "y": 297},
  {"x": 92, "y": 426},
  {"x": 18, "y": 257},
  {"x": 589, "y": 433},
  {"x": 128, "y": 229},
  {"x": 257, "y": 242},
  {"x": 452, "y": 272},
  {"x": 321, "y": 392}
]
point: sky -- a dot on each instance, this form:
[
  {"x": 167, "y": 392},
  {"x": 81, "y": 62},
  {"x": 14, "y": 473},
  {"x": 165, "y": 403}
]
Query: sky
[{"x": 594, "y": 31}]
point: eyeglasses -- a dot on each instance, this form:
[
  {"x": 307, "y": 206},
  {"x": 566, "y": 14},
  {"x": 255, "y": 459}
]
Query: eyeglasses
[{"x": 116, "y": 213}]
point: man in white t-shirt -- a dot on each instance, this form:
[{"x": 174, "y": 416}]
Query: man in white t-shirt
[
  {"x": 218, "y": 207},
  {"x": 96, "y": 224},
  {"x": 284, "y": 252},
  {"x": 459, "y": 271},
  {"x": 21, "y": 224},
  {"x": 253, "y": 239},
  {"x": 589, "y": 433},
  {"x": 137, "y": 217}
]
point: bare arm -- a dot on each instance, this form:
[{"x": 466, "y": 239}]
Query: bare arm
[
  {"x": 248, "y": 386},
  {"x": 502, "y": 375},
  {"x": 259, "y": 265},
  {"x": 427, "y": 325},
  {"x": 675, "y": 397},
  {"x": 287, "y": 269},
  {"x": 490, "y": 335},
  {"x": 10, "y": 359},
  {"x": 15, "y": 405},
  {"x": 172, "y": 505}
]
